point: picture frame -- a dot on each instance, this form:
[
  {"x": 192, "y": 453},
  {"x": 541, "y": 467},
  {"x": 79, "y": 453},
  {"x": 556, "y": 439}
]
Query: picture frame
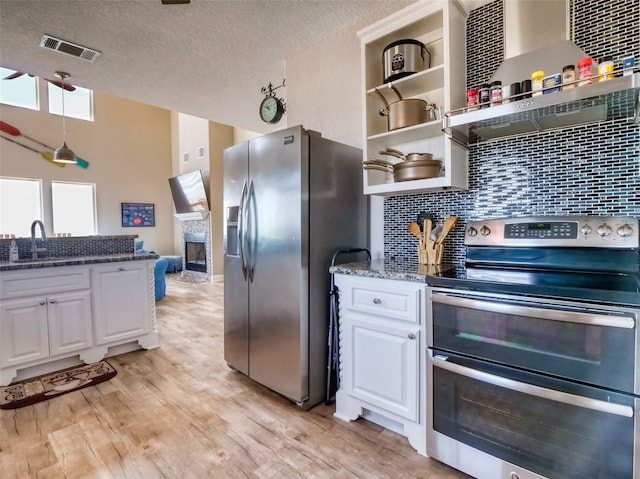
[{"x": 138, "y": 214}]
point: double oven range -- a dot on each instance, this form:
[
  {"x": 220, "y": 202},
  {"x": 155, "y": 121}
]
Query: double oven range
[{"x": 534, "y": 348}]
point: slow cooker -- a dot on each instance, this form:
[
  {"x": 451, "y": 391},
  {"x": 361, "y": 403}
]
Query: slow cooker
[{"x": 404, "y": 57}]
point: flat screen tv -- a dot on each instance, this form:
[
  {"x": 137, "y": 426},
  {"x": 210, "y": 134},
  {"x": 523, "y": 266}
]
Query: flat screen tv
[{"x": 189, "y": 195}]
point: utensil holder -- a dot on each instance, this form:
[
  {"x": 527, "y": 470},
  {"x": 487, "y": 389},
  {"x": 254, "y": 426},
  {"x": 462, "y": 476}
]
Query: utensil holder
[{"x": 429, "y": 252}]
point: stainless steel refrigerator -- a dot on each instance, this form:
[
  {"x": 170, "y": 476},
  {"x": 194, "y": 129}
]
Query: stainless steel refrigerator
[{"x": 291, "y": 199}]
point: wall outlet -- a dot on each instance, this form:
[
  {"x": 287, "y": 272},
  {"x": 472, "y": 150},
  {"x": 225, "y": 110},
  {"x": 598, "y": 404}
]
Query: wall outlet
[
  {"x": 185, "y": 157},
  {"x": 201, "y": 152}
]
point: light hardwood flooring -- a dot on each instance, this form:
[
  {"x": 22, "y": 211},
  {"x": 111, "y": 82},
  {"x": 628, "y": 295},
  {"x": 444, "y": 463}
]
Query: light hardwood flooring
[{"x": 179, "y": 412}]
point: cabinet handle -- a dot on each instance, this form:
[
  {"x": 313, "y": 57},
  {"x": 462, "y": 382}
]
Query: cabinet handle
[
  {"x": 42, "y": 303},
  {"x": 376, "y": 301},
  {"x": 121, "y": 269},
  {"x": 411, "y": 336},
  {"x": 52, "y": 301}
]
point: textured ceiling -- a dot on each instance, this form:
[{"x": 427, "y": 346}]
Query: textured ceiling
[{"x": 208, "y": 58}]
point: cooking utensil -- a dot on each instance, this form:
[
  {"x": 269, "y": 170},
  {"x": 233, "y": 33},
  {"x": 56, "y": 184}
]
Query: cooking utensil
[
  {"x": 13, "y": 131},
  {"x": 448, "y": 225},
  {"x": 423, "y": 215},
  {"x": 403, "y": 113},
  {"x": 427, "y": 231},
  {"x": 46, "y": 155},
  {"x": 389, "y": 153},
  {"x": 416, "y": 170},
  {"x": 414, "y": 229},
  {"x": 407, "y": 157}
]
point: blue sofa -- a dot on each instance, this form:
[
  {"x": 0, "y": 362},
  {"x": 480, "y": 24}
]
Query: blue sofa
[{"x": 159, "y": 271}]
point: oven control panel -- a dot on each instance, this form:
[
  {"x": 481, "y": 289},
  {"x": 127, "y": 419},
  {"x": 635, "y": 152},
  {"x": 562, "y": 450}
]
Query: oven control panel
[{"x": 568, "y": 231}]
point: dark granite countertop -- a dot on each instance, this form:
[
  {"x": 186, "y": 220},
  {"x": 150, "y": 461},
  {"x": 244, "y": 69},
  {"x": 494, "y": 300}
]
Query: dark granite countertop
[
  {"x": 24, "y": 264},
  {"x": 390, "y": 269}
]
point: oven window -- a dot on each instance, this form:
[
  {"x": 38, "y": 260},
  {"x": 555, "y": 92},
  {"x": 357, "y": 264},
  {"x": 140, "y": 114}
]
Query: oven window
[
  {"x": 544, "y": 436},
  {"x": 598, "y": 355},
  {"x": 538, "y": 335}
]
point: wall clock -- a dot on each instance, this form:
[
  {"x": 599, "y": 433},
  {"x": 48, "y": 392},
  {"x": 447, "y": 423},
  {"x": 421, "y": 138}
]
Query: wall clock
[{"x": 271, "y": 108}]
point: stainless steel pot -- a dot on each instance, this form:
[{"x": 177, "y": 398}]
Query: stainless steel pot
[
  {"x": 416, "y": 170},
  {"x": 403, "y": 113}
]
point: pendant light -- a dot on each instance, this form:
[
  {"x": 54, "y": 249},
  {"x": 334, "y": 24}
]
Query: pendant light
[{"x": 64, "y": 154}]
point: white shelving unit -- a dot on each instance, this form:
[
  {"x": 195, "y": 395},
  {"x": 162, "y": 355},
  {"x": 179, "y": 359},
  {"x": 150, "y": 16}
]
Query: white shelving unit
[{"x": 440, "y": 25}]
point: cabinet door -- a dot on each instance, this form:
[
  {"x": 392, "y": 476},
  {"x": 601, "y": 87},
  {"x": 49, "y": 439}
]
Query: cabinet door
[
  {"x": 24, "y": 334},
  {"x": 121, "y": 301},
  {"x": 382, "y": 365},
  {"x": 69, "y": 316}
]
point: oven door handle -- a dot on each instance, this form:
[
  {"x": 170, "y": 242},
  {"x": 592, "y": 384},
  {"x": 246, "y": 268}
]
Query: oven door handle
[
  {"x": 533, "y": 312},
  {"x": 530, "y": 389}
]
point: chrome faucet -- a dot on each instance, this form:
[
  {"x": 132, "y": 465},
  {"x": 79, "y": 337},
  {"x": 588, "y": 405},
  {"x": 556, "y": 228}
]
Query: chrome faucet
[{"x": 34, "y": 249}]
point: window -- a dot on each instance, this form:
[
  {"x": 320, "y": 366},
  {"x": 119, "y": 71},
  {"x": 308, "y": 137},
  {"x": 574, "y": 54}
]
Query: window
[
  {"x": 20, "y": 205},
  {"x": 77, "y": 104},
  {"x": 74, "y": 208},
  {"x": 21, "y": 91}
]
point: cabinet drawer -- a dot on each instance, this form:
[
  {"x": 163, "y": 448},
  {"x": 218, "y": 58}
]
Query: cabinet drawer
[
  {"x": 15, "y": 284},
  {"x": 385, "y": 299}
]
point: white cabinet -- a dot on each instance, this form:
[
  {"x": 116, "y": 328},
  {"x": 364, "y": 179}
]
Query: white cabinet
[
  {"x": 69, "y": 320},
  {"x": 440, "y": 26},
  {"x": 382, "y": 355},
  {"x": 35, "y": 327},
  {"x": 24, "y": 333},
  {"x": 383, "y": 365},
  {"x": 122, "y": 300},
  {"x": 73, "y": 313}
]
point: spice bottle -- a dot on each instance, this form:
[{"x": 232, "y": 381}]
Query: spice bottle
[
  {"x": 584, "y": 71},
  {"x": 515, "y": 91},
  {"x": 483, "y": 95},
  {"x": 495, "y": 93},
  {"x": 472, "y": 100},
  {"x": 568, "y": 76},
  {"x": 525, "y": 88},
  {"x": 605, "y": 69},
  {"x": 536, "y": 82}
]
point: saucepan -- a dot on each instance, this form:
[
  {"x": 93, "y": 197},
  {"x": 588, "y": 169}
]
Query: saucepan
[{"x": 403, "y": 113}]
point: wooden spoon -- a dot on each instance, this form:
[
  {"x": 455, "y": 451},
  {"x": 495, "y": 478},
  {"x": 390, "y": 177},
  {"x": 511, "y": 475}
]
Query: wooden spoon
[
  {"x": 427, "y": 231},
  {"x": 448, "y": 225},
  {"x": 414, "y": 229}
]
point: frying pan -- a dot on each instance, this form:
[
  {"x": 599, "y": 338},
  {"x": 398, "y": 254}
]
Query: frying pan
[{"x": 13, "y": 131}]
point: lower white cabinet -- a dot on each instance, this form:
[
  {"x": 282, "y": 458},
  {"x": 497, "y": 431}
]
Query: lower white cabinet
[
  {"x": 121, "y": 301},
  {"x": 24, "y": 332},
  {"x": 382, "y": 355},
  {"x": 85, "y": 312},
  {"x": 383, "y": 365}
]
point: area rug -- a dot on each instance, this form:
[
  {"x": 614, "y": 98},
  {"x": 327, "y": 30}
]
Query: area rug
[{"x": 31, "y": 391}]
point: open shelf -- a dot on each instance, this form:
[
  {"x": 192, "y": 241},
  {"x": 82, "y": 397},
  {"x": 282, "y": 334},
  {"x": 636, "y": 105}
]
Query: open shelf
[{"x": 608, "y": 100}]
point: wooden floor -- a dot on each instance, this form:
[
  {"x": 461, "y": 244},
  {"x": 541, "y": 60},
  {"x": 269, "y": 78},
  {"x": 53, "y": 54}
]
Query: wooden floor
[{"x": 179, "y": 412}]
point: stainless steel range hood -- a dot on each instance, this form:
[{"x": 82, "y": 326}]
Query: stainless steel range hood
[{"x": 536, "y": 37}]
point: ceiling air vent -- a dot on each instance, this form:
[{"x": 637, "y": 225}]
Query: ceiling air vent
[{"x": 68, "y": 48}]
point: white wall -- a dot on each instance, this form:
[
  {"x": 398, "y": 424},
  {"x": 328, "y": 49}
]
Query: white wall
[{"x": 323, "y": 94}]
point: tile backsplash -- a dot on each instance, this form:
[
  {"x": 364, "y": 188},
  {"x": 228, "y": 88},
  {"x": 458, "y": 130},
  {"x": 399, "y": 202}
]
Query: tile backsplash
[{"x": 589, "y": 169}]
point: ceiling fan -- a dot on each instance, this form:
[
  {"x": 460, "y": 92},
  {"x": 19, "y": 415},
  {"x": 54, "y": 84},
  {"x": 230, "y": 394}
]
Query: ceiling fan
[{"x": 57, "y": 83}]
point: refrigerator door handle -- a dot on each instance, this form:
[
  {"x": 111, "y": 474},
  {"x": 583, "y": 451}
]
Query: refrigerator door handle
[
  {"x": 242, "y": 229},
  {"x": 251, "y": 231}
]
